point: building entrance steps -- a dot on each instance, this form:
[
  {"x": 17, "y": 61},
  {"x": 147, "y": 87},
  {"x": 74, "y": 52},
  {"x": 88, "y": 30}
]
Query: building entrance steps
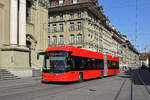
[{"x": 6, "y": 75}]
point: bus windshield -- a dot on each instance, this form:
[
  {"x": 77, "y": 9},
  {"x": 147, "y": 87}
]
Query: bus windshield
[{"x": 55, "y": 62}]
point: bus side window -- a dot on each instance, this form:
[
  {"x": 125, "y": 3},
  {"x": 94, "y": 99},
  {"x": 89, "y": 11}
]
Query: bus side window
[
  {"x": 89, "y": 63},
  {"x": 117, "y": 65},
  {"x": 109, "y": 64},
  {"x": 101, "y": 62},
  {"x": 78, "y": 63},
  {"x": 114, "y": 64},
  {"x": 82, "y": 63},
  {"x": 97, "y": 64},
  {"x": 68, "y": 61},
  {"x": 86, "y": 63},
  {"x": 71, "y": 62}
]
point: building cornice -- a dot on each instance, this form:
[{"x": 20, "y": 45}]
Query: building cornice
[
  {"x": 68, "y": 7},
  {"x": 89, "y": 5},
  {"x": 15, "y": 48}
]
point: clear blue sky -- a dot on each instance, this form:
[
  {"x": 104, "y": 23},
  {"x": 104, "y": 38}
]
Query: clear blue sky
[{"x": 122, "y": 14}]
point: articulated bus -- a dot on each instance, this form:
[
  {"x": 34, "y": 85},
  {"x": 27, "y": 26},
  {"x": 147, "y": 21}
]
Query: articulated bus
[{"x": 68, "y": 63}]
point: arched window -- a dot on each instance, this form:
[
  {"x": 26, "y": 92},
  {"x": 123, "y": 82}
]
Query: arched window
[
  {"x": 75, "y": 1},
  {"x": 48, "y": 40},
  {"x": 61, "y": 41},
  {"x": 79, "y": 26},
  {"x": 72, "y": 26},
  {"x": 61, "y": 2},
  {"x": 79, "y": 14},
  {"x": 48, "y": 28},
  {"x": 54, "y": 28},
  {"x": 79, "y": 38},
  {"x": 71, "y": 38},
  {"x": 61, "y": 28},
  {"x": 54, "y": 39}
]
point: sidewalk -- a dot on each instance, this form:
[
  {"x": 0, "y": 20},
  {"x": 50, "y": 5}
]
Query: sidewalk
[{"x": 22, "y": 81}]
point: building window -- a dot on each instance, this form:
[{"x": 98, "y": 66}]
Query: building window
[
  {"x": 28, "y": 15},
  {"x": 48, "y": 28},
  {"x": 49, "y": 41},
  {"x": 71, "y": 26},
  {"x": 79, "y": 14},
  {"x": 61, "y": 16},
  {"x": 75, "y": 1},
  {"x": 61, "y": 28},
  {"x": 55, "y": 40},
  {"x": 61, "y": 39},
  {"x": 54, "y": 28},
  {"x": 61, "y": 2},
  {"x": 79, "y": 38},
  {"x": 71, "y": 38},
  {"x": 79, "y": 26},
  {"x": 54, "y": 18},
  {"x": 71, "y": 15}
]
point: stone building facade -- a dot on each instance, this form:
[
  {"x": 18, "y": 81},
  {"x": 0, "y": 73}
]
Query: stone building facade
[
  {"x": 145, "y": 59},
  {"x": 80, "y": 24},
  {"x": 13, "y": 52},
  {"x": 23, "y": 33},
  {"x": 37, "y": 30}
]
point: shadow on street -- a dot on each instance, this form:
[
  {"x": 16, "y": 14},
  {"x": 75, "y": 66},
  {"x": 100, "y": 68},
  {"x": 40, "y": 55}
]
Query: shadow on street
[{"x": 138, "y": 75}]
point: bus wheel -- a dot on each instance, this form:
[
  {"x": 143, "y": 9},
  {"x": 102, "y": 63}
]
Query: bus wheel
[
  {"x": 80, "y": 77},
  {"x": 101, "y": 74}
]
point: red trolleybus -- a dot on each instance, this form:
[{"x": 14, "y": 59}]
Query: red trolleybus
[{"x": 68, "y": 63}]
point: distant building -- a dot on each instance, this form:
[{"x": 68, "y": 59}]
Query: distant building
[{"x": 145, "y": 58}]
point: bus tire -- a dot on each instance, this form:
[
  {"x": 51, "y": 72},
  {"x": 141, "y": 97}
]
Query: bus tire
[
  {"x": 101, "y": 74},
  {"x": 80, "y": 77}
]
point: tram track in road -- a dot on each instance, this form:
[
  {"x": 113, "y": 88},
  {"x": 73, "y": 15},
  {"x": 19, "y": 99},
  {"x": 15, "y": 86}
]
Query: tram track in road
[
  {"x": 69, "y": 88},
  {"x": 119, "y": 91},
  {"x": 125, "y": 88},
  {"x": 30, "y": 86},
  {"x": 41, "y": 91},
  {"x": 47, "y": 91},
  {"x": 65, "y": 88}
]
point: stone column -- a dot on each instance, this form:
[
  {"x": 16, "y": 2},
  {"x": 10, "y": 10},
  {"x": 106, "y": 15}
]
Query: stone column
[
  {"x": 22, "y": 22},
  {"x": 13, "y": 21}
]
